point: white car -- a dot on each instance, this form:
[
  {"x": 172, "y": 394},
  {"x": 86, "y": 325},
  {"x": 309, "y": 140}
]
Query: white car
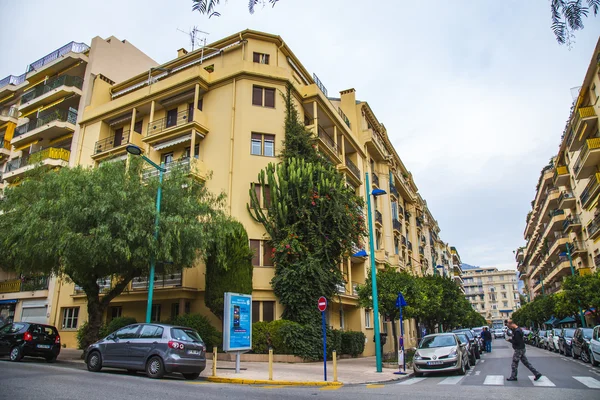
[
  {"x": 595, "y": 347},
  {"x": 498, "y": 333}
]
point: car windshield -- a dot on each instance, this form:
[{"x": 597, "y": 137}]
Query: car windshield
[
  {"x": 477, "y": 330},
  {"x": 12, "y": 328},
  {"x": 587, "y": 333},
  {"x": 463, "y": 338},
  {"x": 186, "y": 335},
  {"x": 429, "y": 342},
  {"x": 569, "y": 332},
  {"x": 557, "y": 332},
  {"x": 468, "y": 333}
]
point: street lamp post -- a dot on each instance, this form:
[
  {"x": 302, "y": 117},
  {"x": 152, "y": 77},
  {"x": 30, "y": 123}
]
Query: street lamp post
[
  {"x": 136, "y": 151},
  {"x": 374, "y": 193},
  {"x": 573, "y": 274}
]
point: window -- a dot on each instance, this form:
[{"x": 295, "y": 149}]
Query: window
[
  {"x": 490, "y": 279},
  {"x": 255, "y": 247},
  {"x": 396, "y": 245},
  {"x": 503, "y": 286},
  {"x": 174, "y": 310},
  {"x": 505, "y": 303},
  {"x": 266, "y": 202},
  {"x": 377, "y": 240},
  {"x": 267, "y": 254},
  {"x": 196, "y": 151},
  {"x": 367, "y": 318},
  {"x": 504, "y": 295},
  {"x": 151, "y": 332},
  {"x": 167, "y": 158},
  {"x": 171, "y": 117},
  {"x": 260, "y": 58},
  {"x": 494, "y": 306},
  {"x": 264, "y": 97},
  {"x": 262, "y": 145},
  {"x": 70, "y": 316},
  {"x": 200, "y": 103},
  {"x": 255, "y": 311},
  {"x": 262, "y": 258},
  {"x": 190, "y": 116},
  {"x": 129, "y": 332},
  {"x": 394, "y": 211},
  {"x": 137, "y": 127},
  {"x": 155, "y": 313},
  {"x": 115, "y": 312},
  {"x": 268, "y": 311},
  {"x": 188, "y": 307}
]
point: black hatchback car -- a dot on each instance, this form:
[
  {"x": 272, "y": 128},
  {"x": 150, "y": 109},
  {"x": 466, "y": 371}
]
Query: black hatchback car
[
  {"x": 580, "y": 344},
  {"x": 25, "y": 339},
  {"x": 565, "y": 340}
]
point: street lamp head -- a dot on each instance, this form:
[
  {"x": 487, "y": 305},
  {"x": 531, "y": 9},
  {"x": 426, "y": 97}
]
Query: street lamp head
[
  {"x": 378, "y": 192},
  {"x": 134, "y": 150}
]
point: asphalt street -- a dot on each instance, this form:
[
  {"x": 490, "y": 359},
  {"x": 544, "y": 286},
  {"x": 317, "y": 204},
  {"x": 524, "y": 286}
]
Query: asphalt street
[{"x": 563, "y": 378}]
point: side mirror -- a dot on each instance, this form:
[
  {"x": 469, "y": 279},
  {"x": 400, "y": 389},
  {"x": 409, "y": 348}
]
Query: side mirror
[{"x": 113, "y": 337}]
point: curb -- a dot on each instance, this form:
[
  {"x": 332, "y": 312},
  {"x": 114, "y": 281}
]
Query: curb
[{"x": 242, "y": 381}]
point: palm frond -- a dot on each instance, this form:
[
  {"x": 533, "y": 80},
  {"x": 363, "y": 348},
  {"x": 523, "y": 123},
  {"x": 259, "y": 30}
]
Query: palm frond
[
  {"x": 206, "y": 7},
  {"x": 594, "y": 5}
]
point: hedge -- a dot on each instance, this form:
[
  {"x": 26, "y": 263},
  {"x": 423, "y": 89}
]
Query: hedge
[{"x": 353, "y": 343}]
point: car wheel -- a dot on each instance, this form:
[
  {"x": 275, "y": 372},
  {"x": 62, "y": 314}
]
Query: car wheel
[
  {"x": 50, "y": 359},
  {"x": 477, "y": 354},
  {"x": 94, "y": 362},
  {"x": 155, "y": 368},
  {"x": 192, "y": 376},
  {"x": 462, "y": 369},
  {"x": 574, "y": 355},
  {"x": 585, "y": 356},
  {"x": 418, "y": 374},
  {"x": 16, "y": 354}
]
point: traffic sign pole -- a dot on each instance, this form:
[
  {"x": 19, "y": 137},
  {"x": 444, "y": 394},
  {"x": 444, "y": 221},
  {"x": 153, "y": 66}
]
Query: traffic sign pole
[{"x": 322, "y": 305}]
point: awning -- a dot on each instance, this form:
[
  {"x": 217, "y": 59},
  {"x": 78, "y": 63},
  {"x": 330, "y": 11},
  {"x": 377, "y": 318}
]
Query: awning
[
  {"x": 590, "y": 311},
  {"x": 12, "y": 301},
  {"x": 551, "y": 321},
  {"x": 567, "y": 320},
  {"x": 173, "y": 142}
]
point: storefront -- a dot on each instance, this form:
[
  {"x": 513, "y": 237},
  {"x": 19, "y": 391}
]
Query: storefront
[{"x": 7, "y": 311}]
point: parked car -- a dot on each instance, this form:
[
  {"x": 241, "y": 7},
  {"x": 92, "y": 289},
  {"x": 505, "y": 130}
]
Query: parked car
[
  {"x": 543, "y": 339},
  {"x": 564, "y": 341},
  {"x": 553, "y": 336},
  {"x": 25, "y": 339},
  {"x": 581, "y": 343},
  {"x": 498, "y": 333},
  {"x": 595, "y": 347},
  {"x": 469, "y": 346},
  {"x": 155, "y": 348},
  {"x": 473, "y": 340},
  {"x": 441, "y": 352}
]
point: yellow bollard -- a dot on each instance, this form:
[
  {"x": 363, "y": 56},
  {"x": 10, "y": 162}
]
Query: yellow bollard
[
  {"x": 214, "y": 361},
  {"x": 334, "y": 355},
  {"x": 270, "y": 364}
]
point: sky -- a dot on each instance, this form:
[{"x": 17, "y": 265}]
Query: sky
[{"x": 474, "y": 94}]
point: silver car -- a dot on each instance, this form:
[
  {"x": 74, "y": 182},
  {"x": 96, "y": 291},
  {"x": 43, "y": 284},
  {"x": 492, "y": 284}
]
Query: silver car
[
  {"x": 441, "y": 352},
  {"x": 157, "y": 349}
]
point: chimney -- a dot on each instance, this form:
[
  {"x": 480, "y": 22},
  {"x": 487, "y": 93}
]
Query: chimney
[
  {"x": 348, "y": 105},
  {"x": 181, "y": 52}
]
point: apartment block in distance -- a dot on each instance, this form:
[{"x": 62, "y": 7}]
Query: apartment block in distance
[
  {"x": 39, "y": 114},
  {"x": 218, "y": 110},
  {"x": 565, "y": 218},
  {"x": 492, "y": 293}
]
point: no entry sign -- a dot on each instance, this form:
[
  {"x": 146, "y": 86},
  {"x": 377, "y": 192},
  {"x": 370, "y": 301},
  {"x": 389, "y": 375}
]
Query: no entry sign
[{"x": 322, "y": 303}]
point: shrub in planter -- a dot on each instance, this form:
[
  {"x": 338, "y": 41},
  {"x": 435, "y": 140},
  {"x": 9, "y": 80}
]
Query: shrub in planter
[
  {"x": 334, "y": 342},
  {"x": 260, "y": 341},
  {"x": 302, "y": 340},
  {"x": 209, "y": 334},
  {"x": 353, "y": 343}
]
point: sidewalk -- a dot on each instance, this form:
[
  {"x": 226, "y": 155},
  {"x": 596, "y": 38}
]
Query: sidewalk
[{"x": 350, "y": 371}]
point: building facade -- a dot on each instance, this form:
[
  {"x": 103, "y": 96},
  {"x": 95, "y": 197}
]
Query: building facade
[
  {"x": 219, "y": 114},
  {"x": 492, "y": 293},
  {"x": 563, "y": 227},
  {"x": 39, "y": 114}
]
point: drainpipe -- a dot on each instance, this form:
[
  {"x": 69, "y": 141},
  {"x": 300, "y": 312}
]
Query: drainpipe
[{"x": 231, "y": 142}]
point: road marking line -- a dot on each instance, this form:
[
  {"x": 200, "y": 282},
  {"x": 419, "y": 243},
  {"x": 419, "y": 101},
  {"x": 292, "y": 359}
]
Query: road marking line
[
  {"x": 272, "y": 386},
  {"x": 594, "y": 371},
  {"x": 374, "y": 386},
  {"x": 482, "y": 361},
  {"x": 331, "y": 388},
  {"x": 411, "y": 381},
  {"x": 543, "y": 381},
  {"x": 477, "y": 372},
  {"x": 588, "y": 381},
  {"x": 494, "y": 380},
  {"x": 452, "y": 380}
]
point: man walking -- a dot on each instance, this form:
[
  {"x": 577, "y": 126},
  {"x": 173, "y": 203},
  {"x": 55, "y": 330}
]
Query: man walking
[
  {"x": 487, "y": 339},
  {"x": 518, "y": 345}
]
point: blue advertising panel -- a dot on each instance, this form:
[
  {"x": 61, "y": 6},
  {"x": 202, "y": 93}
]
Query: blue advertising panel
[{"x": 237, "y": 322}]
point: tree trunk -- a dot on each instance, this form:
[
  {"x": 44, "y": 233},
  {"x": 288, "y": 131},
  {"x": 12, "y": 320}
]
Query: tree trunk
[
  {"x": 395, "y": 335},
  {"x": 95, "y": 310}
]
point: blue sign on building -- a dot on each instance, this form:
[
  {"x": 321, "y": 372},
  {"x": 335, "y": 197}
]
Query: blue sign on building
[{"x": 237, "y": 322}]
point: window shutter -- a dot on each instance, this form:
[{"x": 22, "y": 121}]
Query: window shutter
[
  {"x": 270, "y": 98},
  {"x": 257, "y": 95},
  {"x": 255, "y": 247}
]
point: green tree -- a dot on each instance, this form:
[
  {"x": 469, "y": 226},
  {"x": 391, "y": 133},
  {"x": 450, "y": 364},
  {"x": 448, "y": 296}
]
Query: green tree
[
  {"x": 228, "y": 265},
  {"x": 567, "y": 17},
  {"x": 389, "y": 283},
  {"x": 584, "y": 291},
  {"x": 313, "y": 220},
  {"x": 89, "y": 224},
  {"x": 208, "y": 7}
]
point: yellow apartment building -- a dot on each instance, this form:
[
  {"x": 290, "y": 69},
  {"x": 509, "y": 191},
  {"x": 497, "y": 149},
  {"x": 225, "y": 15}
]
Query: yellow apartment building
[
  {"x": 218, "y": 112},
  {"x": 492, "y": 293},
  {"x": 565, "y": 208},
  {"x": 39, "y": 111}
]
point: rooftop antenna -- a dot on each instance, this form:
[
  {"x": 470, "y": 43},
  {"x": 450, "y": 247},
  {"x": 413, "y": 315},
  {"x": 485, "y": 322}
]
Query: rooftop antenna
[{"x": 194, "y": 39}]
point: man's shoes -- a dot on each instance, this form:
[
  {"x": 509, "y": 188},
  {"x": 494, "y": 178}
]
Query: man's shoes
[
  {"x": 511, "y": 379},
  {"x": 537, "y": 377}
]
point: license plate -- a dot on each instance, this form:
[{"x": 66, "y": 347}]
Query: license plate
[
  {"x": 196, "y": 352},
  {"x": 43, "y": 346},
  {"x": 435, "y": 362}
]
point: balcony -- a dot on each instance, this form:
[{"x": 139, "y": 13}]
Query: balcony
[
  {"x": 584, "y": 121},
  {"x": 397, "y": 225},
  {"x": 9, "y": 114},
  {"x": 168, "y": 128},
  {"x": 11, "y": 83},
  {"x": 410, "y": 247},
  {"x": 353, "y": 169},
  {"x": 378, "y": 217},
  {"x": 558, "y": 271},
  {"x": 394, "y": 191},
  {"x": 561, "y": 176},
  {"x": 593, "y": 228},
  {"x": 419, "y": 222},
  {"x": 589, "y": 193},
  {"x": 375, "y": 144},
  {"x": 51, "y": 157},
  {"x": 422, "y": 251},
  {"x": 328, "y": 145},
  {"x": 28, "y": 284},
  {"x": 54, "y": 89},
  {"x": 375, "y": 179},
  {"x": 48, "y": 126},
  {"x": 571, "y": 224},
  {"x": 161, "y": 281},
  {"x": 588, "y": 159},
  {"x": 112, "y": 144},
  {"x": 58, "y": 60},
  {"x": 403, "y": 240},
  {"x": 566, "y": 200},
  {"x": 191, "y": 166}
]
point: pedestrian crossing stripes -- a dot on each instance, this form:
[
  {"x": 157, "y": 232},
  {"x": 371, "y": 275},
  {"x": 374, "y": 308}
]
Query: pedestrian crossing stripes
[
  {"x": 588, "y": 381},
  {"x": 453, "y": 380},
  {"x": 494, "y": 380},
  {"x": 412, "y": 381},
  {"x": 543, "y": 381},
  {"x": 497, "y": 380}
]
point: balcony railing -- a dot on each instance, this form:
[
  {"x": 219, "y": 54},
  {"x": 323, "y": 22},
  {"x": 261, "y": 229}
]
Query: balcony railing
[
  {"x": 589, "y": 190},
  {"x": 394, "y": 191},
  {"x": 324, "y": 136},
  {"x": 27, "y": 284},
  {"x": 594, "y": 226},
  {"x": 346, "y": 120},
  {"x": 410, "y": 246},
  {"x": 111, "y": 142},
  {"x": 403, "y": 239},
  {"x": 104, "y": 284},
  {"x": 421, "y": 250},
  {"x": 583, "y": 112},
  {"x": 570, "y": 221},
  {"x": 160, "y": 281},
  {"x": 320, "y": 84},
  {"x": 156, "y": 127},
  {"x": 378, "y": 217},
  {"x": 590, "y": 144},
  {"x": 554, "y": 213},
  {"x": 69, "y": 116},
  {"x": 397, "y": 225},
  {"x": 10, "y": 112},
  {"x": 12, "y": 80},
  {"x": 355, "y": 286},
  {"x": 352, "y": 167},
  {"x": 565, "y": 195},
  {"x": 183, "y": 163},
  {"x": 34, "y": 158},
  {"x": 63, "y": 80},
  {"x": 560, "y": 170},
  {"x": 375, "y": 179},
  {"x": 68, "y": 48}
]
